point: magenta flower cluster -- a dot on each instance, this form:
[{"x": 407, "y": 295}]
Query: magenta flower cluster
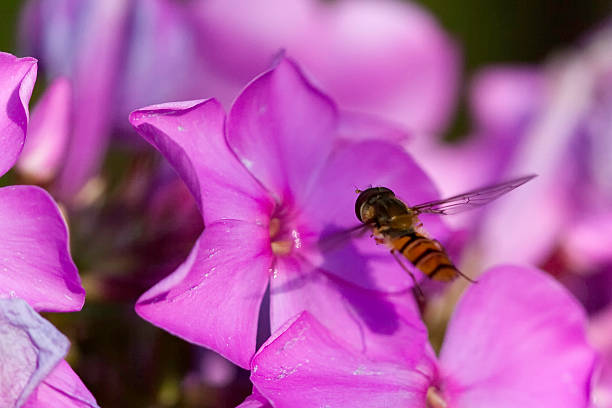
[
  {"x": 37, "y": 272},
  {"x": 279, "y": 283},
  {"x": 276, "y": 177}
]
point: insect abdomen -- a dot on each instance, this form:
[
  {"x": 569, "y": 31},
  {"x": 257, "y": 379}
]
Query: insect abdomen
[{"x": 427, "y": 255}]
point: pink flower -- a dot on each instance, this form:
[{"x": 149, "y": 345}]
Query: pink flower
[
  {"x": 552, "y": 120},
  {"x": 255, "y": 400},
  {"x": 516, "y": 339},
  {"x": 35, "y": 266},
  {"x": 18, "y": 77},
  {"x": 48, "y": 134},
  {"x": 272, "y": 180},
  {"x": 33, "y": 372},
  {"x": 31, "y": 347},
  {"x": 563, "y": 134},
  {"x": 387, "y": 58},
  {"x": 114, "y": 54},
  {"x": 600, "y": 328}
]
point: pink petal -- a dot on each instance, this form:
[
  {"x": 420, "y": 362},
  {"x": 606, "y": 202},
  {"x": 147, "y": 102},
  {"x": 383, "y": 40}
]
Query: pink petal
[
  {"x": 383, "y": 327},
  {"x": 17, "y": 77},
  {"x": 387, "y": 58},
  {"x": 48, "y": 134},
  {"x": 541, "y": 202},
  {"x": 48, "y": 31},
  {"x": 255, "y": 400},
  {"x": 505, "y": 99},
  {"x": 588, "y": 245},
  {"x": 517, "y": 339},
  {"x": 61, "y": 389},
  {"x": 282, "y": 130},
  {"x": 306, "y": 366},
  {"x": 213, "y": 298},
  {"x": 548, "y": 200},
  {"x": 357, "y": 126},
  {"x": 460, "y": 167},
  {"x": 190, "y": 136},
  {"x": 239, "y": 40},
  {"x": 600, "y": 327},
  {"x": 97, "y": 47},
  {"x": 331, "y": 209},
  {"x": 30, "y": 347},
  {"x": 162, "y": 62},
  {"x": 35, "y": 262},
  {"x": 391, "y": 59}
]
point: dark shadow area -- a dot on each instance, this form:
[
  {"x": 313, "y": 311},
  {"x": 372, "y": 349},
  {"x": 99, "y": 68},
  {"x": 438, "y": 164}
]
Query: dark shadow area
[
  {"x": 263, "y": 325},
  {"x": 368, "y": 306}
]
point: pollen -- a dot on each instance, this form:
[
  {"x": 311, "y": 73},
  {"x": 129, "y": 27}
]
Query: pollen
[
  {"x": 281, "y": 247},
  {"x": 274, "y": 227},
  {"x": 281, "y": 243}
]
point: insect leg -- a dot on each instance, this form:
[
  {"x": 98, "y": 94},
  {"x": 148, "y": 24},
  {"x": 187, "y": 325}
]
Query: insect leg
[
  {"x": 463, "y": 275},
  {"x": 418, "y": 291}
]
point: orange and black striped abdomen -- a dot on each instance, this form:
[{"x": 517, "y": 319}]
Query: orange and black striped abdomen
[{"x": 427, "y": 255}]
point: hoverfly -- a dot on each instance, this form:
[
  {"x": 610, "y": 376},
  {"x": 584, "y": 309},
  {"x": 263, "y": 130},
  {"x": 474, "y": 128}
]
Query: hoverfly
[{"x": 397, "y": 225}]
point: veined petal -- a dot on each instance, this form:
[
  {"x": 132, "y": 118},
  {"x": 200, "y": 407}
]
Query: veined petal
[
  {"x": 213, "y": 298},
  {"x": 48, "y": 134},
  {"x": 517, "y": 339},
  {"x": 330, "y": 209},
  {"x": 30, "y": 347},
  {"x": 61, "y": 389},
  {"x": 190, "y": 136},
  {"x": 384, "y": 327},
  {"x": 282, "y": 129},
  {"x": 17, "y": 77},
  {"x": 306, "y": 366},
  {"x": 35, "y": 262}
]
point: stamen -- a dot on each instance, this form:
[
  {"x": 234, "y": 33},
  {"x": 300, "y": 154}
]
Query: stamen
[
  {"x": 434, "y": 399},
  {"x": 274, "y": 227},
  {"x": 282, "y": 238},
  {"x": 281, "y": 247}
]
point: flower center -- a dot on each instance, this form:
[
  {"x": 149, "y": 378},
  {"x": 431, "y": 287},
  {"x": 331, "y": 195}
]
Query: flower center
[
  {"x": 282, "y": 238},
  {"x": 435, "y": 398}
]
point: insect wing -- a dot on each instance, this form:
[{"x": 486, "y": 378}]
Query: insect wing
[
  {"x": 471, "y": 199},
  {"x": 335, "y": 239}
]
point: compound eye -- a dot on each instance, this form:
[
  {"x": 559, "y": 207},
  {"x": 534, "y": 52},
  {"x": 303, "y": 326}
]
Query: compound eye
[
  {"x": 365, "y": 197},
  {"x": 359, "y": 203}
]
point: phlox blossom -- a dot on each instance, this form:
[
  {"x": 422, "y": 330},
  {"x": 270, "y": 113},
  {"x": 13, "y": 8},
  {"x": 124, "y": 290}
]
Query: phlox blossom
[
  {"x": 516, "y": 339},
  {"x": 36, "y": 270},
  {"x": 389, "y": 57},
  {"x": 275, "y": 182}
]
